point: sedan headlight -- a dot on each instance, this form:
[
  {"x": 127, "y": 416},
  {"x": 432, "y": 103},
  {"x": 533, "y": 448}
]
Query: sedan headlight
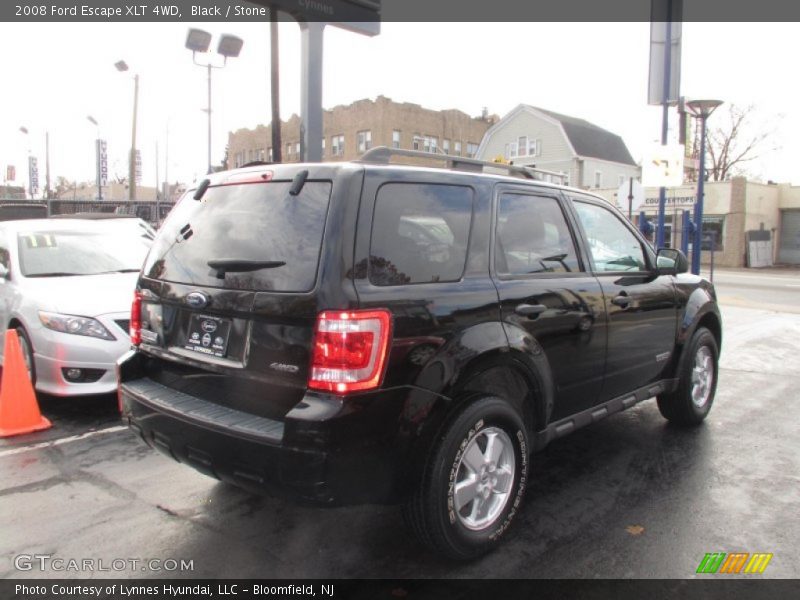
[{"x": 74, "y": 324}]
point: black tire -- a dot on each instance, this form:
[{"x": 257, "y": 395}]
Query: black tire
[
  {"x": 689, "y": 405},
  {"x": 432, "y": 513},
  {"x": 27, "y": 352}
]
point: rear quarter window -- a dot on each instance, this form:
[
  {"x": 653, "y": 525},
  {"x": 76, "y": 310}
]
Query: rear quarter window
[{"x": 420, "y": 233}]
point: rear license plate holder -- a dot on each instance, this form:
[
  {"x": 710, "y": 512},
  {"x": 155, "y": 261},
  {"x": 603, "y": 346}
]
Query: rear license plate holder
[{"x": 208, "y": 335}]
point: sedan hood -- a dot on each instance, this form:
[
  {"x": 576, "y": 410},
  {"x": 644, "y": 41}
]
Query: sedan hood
[{"x": 84, "y": 295}]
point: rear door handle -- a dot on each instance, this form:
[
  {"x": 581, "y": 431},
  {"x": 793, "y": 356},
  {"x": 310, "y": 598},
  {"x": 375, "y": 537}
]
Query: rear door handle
[
  {"x": 623, "y": 301},
  {"x": 530, "y": 310}
]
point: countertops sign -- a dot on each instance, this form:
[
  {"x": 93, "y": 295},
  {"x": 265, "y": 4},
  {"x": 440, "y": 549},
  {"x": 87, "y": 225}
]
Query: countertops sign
[{"x": 671, "y": 201}]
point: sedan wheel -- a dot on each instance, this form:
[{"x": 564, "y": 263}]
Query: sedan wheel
[{"x": 27, "y": 353}]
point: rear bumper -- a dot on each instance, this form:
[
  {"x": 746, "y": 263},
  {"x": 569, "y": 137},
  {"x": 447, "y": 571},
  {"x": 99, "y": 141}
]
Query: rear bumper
[{"x": 333, "y": 453}]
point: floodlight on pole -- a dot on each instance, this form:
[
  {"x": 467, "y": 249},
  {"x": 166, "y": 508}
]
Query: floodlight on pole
[
  {"x": 122, "y": 66},
  {"x": 229, "y": 46},
  {"x": 700, "y": 109}
]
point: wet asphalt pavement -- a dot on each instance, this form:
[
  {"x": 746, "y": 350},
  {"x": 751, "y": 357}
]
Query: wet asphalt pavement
[{"x": 630, "y": 497}]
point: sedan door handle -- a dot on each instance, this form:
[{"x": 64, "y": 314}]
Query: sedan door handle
[
  {"x": 530, "y": 310},
  {"x": 623, "y": 301}
]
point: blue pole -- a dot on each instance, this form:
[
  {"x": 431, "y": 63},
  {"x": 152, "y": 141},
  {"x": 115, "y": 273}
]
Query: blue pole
[
  {"x": 698, "y": 211},
  {"x": 687, "y": 220}
]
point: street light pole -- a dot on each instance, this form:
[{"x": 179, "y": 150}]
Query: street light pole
[
  {"x": 229, "y": 46},
  {"x": 132, "y": 165},
  {"x": 209, "y": 117},
  {"x": 701, "y": 109},
  {"x": 123, "y": 66},
  {"x": 98, "y": 157},
  {"x": 24, "y": 130}
]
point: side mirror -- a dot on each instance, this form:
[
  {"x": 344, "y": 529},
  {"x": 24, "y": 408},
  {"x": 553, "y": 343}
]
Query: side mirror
[{"x": 671, "y": 261}]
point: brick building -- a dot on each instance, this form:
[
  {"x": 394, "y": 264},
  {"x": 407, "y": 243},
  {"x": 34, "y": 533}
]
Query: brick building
[{"x": 348, "y": 131}]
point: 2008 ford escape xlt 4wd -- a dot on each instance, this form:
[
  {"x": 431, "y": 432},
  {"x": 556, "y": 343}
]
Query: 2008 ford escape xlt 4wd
[{"x": 368, "y": 332}]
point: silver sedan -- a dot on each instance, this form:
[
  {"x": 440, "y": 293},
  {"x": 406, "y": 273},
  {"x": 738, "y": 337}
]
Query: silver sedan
[{"x": 66, "y": 286}]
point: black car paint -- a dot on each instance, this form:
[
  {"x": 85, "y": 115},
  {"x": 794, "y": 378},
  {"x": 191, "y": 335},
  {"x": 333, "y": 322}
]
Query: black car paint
[{"x": 450, "y": 341}]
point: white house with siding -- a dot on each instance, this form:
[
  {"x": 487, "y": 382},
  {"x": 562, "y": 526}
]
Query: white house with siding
[{"x": 590, "y": 156}]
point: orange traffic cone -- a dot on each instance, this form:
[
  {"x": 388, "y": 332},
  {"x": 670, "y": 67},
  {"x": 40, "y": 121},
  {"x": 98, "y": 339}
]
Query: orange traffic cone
[{"x": 19, "y": 411}]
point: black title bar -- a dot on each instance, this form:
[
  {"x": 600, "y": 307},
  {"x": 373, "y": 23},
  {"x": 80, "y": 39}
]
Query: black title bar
[{"x": 390, "y": 10}]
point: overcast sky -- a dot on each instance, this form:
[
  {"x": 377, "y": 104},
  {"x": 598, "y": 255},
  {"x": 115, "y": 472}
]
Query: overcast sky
[{"x": 54, "y": 75}]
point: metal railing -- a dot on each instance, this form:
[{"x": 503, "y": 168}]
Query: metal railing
[{"x": 151, "y": 211}]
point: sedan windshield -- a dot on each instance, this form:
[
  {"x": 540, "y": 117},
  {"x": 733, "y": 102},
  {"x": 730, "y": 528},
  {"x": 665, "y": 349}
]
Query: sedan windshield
[{"x": 72, "y": 252}]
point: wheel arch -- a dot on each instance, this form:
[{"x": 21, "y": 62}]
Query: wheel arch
[{"x": 698, "y": 314}]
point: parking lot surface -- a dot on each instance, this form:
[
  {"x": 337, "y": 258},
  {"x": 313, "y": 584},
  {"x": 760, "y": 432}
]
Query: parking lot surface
[{"x": 630, "y": 497}]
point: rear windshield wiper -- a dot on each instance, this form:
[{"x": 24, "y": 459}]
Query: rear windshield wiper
[
  {"x": 238, "y": 265},
  {"x": 54, "y": 274}
]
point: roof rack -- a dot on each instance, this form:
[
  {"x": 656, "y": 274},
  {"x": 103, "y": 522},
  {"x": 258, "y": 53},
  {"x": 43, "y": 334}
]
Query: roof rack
[{"x": 383, "y": 155}]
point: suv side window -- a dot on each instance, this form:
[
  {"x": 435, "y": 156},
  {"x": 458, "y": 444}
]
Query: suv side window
[
  {"x": 533, "y": 237},
  {"x": 612, "y": 245},
  {"x": 420, "y": 233}
]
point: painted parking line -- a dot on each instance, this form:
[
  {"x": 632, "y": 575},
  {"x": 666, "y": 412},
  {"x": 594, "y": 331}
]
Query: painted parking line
[{"x": 60, "y": 441}]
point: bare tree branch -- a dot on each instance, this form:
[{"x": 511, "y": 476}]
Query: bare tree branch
[{"x": 739, "y": 140}]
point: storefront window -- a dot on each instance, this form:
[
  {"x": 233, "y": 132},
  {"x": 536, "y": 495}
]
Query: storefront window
[{"x": 713, "y": 231}]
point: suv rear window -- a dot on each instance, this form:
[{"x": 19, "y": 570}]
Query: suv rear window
[
  {"x": 420, "y": 233},
  {"x": 240, "y": 223}
]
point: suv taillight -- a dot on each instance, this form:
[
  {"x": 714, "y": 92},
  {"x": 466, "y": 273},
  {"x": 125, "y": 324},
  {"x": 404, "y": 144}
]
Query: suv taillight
[
  {"x": 350, "y": 350},
  {"x": 136, "y": 319}
]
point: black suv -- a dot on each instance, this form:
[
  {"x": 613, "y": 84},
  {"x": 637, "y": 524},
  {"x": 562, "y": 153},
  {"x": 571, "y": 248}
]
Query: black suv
[{"x": 369, "y": 332}]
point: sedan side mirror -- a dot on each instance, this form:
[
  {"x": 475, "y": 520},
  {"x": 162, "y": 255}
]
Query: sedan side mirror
[{"x": 671, "y": 261}]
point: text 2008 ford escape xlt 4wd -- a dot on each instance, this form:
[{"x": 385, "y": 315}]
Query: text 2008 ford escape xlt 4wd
[{"x": 366, "y": 332}]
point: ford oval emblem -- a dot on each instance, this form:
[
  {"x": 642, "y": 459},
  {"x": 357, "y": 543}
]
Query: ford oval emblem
[{"x": 197, "y": 300}]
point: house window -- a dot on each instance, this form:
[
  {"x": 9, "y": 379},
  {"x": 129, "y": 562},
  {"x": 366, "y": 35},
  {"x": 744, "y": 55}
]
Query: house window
[
  {"x": 432, "y": 144},
  {"x": 446, "y": 146},
  {"x": 472, "y": 149},
  {"x": 297, "y": 149},
  {"x": 269, "y": 154},
  {"x": 534, "y": 147},
  {"x": 598, "y": 179},
  {"x": 288, "y": 150},
  {"x": 457, "y": 148},
  {"x": 323, "y": 147},
  {"x": 364, "y": 141},
  {"x": 395, "y": 138},
  {"x": 417, "y": 141},
  {"x": 522, "y": 146},
  {"x": 337, "y": 145}
]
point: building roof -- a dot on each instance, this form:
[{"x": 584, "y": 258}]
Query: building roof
[{"x": 590, "y": 140}]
